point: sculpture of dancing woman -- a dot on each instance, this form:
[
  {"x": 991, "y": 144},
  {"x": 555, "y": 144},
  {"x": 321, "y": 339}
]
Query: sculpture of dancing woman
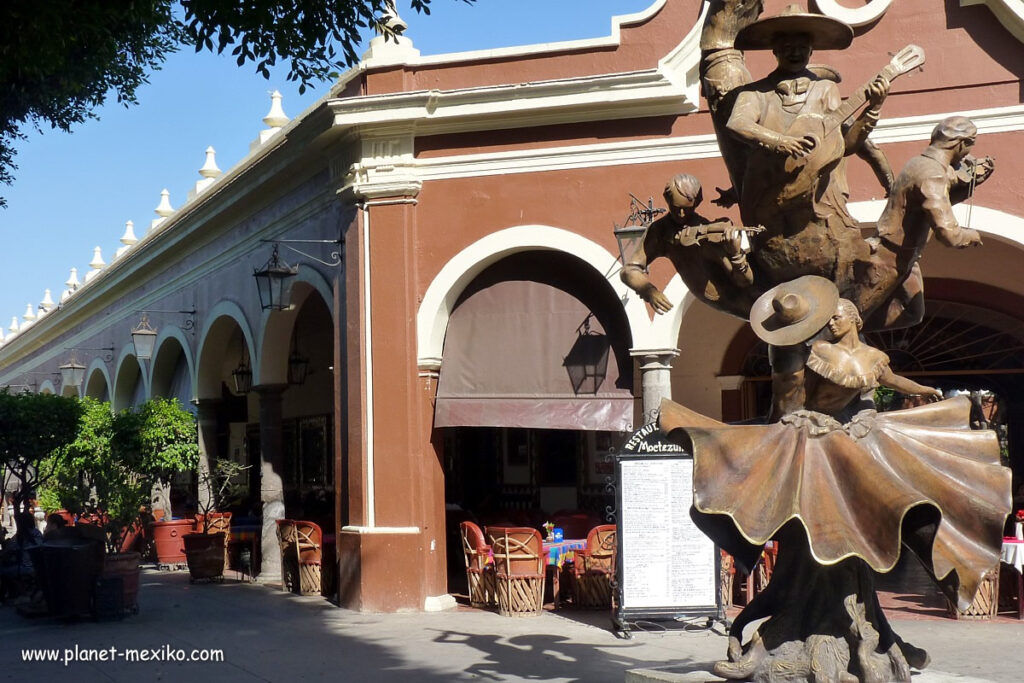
[{"x": 842, "y": 489}]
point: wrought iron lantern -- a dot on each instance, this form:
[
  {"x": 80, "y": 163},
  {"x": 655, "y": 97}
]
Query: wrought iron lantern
[
  {"x": 274, "y": 281},
  {"x": 630, "y": 235},
  {"x": 144, "y": 338},
  {"x": 242, "y": 376},
  {"x": 72, "y": 373}
]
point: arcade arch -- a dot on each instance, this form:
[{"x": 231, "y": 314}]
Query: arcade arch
[
  {"x": 129, "y": 383},
  {"x": 172, "y": 368},
  {"x": 97, "y": 381}
]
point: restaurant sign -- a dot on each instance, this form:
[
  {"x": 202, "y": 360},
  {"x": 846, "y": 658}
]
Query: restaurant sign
[{"x": 667, "y": 568}]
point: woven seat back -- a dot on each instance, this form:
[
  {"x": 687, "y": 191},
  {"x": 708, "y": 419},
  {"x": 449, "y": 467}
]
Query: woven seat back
[
  {"x": 474, "y": 548},
  {"x": 518, "y": 551},
  {"x": 600, "y": 551},
  {"x": 309, "y": 539}
]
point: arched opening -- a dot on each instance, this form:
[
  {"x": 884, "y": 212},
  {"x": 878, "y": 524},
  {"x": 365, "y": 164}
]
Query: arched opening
[
  {"x": 96, "y": 385},
  {"x": 224, "y": 406},
  {"x": 129, "y": 386},
  {"x": 171, "y": 375},
  {"x": 535, "y": 388},
  {"x": 297, "y": 357}
]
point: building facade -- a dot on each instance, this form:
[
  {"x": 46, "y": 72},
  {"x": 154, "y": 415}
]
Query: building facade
[{"x": 469, "y": 347}]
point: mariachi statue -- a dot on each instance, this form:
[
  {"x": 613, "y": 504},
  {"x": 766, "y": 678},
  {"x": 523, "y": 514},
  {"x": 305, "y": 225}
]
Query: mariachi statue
[
  {"x": 841, "y": 489},
  {"x": 786, "y": 139}
]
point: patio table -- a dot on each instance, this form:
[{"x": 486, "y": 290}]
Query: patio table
[{"x": 1013, "y": 555}]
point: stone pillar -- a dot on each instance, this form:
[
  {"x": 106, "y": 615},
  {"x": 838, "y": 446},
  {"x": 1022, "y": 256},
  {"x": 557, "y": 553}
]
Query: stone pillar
[
  {"x": 271, "y": 483},
  {"x": 732, "y": 397},
  {"x": 206, "y": 416},
  {"x": 655, "y": 379}
]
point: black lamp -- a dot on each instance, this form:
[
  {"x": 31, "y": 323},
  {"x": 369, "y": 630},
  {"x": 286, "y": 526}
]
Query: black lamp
[
  {"x": 144, "y": 338},
  {"x": 72, "y": 373},
  {"x": 242, "y": 376},
  {"x": 274, "y": 283}
]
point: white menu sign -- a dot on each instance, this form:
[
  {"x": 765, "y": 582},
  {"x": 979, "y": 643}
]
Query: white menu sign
[{"x": 666, "y": 561}]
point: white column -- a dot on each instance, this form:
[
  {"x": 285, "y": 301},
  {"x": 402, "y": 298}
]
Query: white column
[{"x": 655, "y": 379}]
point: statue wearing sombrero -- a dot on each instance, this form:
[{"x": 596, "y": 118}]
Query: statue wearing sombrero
[{"x": 841, "y": 489}]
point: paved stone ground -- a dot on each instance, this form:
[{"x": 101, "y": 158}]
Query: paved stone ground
[{"x": 267, "y": 635}]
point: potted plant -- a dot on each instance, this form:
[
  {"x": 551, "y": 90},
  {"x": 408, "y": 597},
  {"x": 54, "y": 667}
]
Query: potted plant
[
  {"x": 161, "y": 438},
  {"x": 220, "y": 485}
]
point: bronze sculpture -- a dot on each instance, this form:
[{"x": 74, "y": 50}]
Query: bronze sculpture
[
  {"x": 840, "y": 487},
  {"x": 708, "y": 255},
  {"x": 785, "y": 140}
]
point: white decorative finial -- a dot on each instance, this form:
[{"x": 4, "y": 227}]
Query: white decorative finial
[
  {"x": 209, "y": 169},
  {"x": 276, "y": 117},
  {"x": 46, "y": 305},
  {"x": 128, "y": 238},
  {"x": 13, "y": 329},
  {"x": 395, "y": 49},
  {"x": 392, "y": 20},
  {"x": 30, "y": 313},
  {"x": 164, "y": 208},
  {"x": 72, "y": 284},
  {"x": 97, "y": 264}
]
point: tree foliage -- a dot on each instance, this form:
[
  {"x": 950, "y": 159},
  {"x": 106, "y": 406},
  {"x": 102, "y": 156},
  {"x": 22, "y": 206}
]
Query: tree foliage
[
  {"x": 60, "y": 59},
  {"x": 32, "y": 426},
  {"x": 77, "y": 467},
  {"x": 159, "y": 438}
]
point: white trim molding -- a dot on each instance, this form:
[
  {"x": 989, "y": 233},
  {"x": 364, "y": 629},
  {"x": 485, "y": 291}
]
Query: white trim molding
[
  {"x": 1009, "y": 12},
  {"x": 672, "y": 150}
]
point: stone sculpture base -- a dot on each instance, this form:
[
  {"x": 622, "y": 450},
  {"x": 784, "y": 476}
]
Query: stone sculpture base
[
  {"x": 685, "y": 674},
  {"x": 823, "y": 623}
]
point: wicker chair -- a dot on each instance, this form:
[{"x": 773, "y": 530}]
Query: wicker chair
[
  {"x": 519, "y": 564},
  {"x": 479, "y": 572},
  {"x": 218, "y": 522},
  {"x": 309, "y": 544},
  {"x": 288, "y": 542},
  {"x": 594, "y": 569}
]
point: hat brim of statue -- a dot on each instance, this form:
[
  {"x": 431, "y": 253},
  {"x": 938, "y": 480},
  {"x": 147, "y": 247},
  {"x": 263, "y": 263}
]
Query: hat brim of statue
[
  {"x": 826, "y": 33},
  {"x": 822, "y": 297}
]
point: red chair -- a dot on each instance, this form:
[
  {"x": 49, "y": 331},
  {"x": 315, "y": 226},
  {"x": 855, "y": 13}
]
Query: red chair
[
  {"x": 594, "y": 569},
  {"x": 479, "y": 572},
  {"x": 519, "y": 564}
]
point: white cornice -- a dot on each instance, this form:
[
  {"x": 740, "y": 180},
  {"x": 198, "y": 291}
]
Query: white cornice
[
  {"x": 907, "y": 129},
  {"x": 1009, "y": 12},
  {"x": 570, "y": 100}
]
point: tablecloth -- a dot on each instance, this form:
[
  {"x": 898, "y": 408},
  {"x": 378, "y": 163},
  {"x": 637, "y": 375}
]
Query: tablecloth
[
  {"x": 1013, "y": 553},
  {"x": 561, "y": 552}
]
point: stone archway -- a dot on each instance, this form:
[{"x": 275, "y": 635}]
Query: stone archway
[
  {"x": 129, "y": 384},
  {"x": 97, "y": 381}
]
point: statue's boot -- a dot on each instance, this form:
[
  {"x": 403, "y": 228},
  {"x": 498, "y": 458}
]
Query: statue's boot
[{"x": 745, "y": 665}]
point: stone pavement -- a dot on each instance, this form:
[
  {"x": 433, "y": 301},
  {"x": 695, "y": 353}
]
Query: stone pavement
[{"x": 266, "y": 635}]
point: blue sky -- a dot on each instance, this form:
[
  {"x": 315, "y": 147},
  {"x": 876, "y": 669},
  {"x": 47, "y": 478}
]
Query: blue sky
[{"x": 73, "y": 192}]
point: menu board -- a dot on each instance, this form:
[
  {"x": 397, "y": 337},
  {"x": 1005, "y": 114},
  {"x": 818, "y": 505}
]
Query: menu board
[{"x": 667, "y": 566}]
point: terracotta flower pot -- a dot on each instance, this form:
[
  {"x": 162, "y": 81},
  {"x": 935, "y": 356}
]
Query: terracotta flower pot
[
  {"x": 205, "y": 553},
  {"x": 168, "y": 538}
]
